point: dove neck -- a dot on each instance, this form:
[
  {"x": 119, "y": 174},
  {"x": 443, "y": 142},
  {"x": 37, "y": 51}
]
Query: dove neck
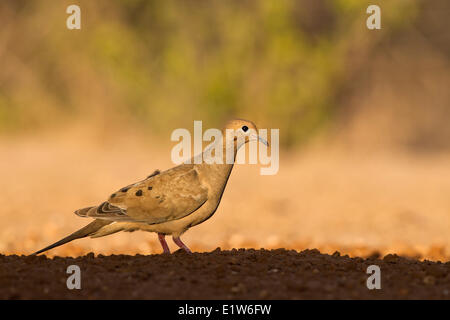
[
  {"x": 212, "y": 163},
  {"x": 221, "y": 154}
]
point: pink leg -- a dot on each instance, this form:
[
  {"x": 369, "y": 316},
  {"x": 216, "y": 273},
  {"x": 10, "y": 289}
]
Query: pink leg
[
  {"x": 163, "y": 242},
  {"x": 179, "y": 243}
]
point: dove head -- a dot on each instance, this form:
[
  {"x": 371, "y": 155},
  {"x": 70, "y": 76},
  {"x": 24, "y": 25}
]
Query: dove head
[{"x": 241, "y": 131}]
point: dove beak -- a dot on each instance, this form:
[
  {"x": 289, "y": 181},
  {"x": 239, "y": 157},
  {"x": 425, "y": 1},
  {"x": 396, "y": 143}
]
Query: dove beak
[
  {"x": 263, "y": 141},
  {"x": 255, "y": 137}
]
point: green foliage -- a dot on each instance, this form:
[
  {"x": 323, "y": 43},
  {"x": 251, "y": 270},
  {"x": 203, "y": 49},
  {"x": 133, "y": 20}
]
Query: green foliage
[{"x": 164, "y": 64}]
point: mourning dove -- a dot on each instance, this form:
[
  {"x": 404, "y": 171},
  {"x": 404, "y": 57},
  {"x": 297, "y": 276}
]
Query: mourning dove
[{"x": 168, "y": 202}]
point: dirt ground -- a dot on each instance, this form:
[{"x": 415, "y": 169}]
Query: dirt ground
[{"x": 235, "y": 274}]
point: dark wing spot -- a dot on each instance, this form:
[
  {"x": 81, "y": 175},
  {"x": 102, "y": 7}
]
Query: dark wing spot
[
  {"x": 139, "y": 193},
  {"x": 113, "y": 195},
  {"x": 156, "y": 172},
  {"x": 125, "y": 189},
  {"x": 150, "y": 188}
]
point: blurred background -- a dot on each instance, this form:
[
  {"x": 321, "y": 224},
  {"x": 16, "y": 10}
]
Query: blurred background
[{"x": 363, "y": 118}]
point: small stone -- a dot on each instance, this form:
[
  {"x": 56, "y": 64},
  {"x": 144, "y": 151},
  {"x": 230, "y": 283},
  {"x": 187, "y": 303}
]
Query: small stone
[
  {"x": 263, "y": 294},
  {"x": 430, "y": 280},
  {"x": 336, "y": 254},
  {"x": 238, "y": 288},
  {"x": 90, "y": 255}
]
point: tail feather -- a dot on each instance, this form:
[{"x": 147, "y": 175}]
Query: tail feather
[
  {"x": 83, "y": 212},
  {"x": 83, "y": 232}
]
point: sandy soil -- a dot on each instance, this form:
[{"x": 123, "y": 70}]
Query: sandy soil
[
  {"x": 236, "y": 274},
  {"x": 354, "y": 202}
]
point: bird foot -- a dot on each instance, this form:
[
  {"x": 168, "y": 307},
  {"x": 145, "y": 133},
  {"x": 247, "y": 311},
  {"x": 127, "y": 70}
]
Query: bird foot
[{"x": 180, "y": 243}]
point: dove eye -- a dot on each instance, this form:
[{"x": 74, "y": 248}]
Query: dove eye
[{"x": 245, "y": 128}]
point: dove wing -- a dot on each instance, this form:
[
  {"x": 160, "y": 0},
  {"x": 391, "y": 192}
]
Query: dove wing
[{"x": 162, "y": 197}]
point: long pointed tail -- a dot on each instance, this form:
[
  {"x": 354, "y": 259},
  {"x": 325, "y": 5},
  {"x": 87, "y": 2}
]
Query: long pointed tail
[{"x": 83, "y": 232}]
